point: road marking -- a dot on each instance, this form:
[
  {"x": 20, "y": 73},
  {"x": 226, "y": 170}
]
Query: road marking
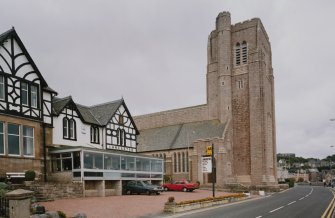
[
  {"x": 291, "y": 202},
  {"x": 301, "y": 198},
  {"x": 276, "y": 209},
  {"x": 259, "y": 217}
]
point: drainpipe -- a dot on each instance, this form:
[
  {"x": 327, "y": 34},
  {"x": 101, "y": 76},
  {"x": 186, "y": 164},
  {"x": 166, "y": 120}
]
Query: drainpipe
[{"x": 44, "y": 154}]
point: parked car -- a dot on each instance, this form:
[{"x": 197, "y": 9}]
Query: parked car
[
  {"x": 139, "y": 187},
  {"x": 181, "y": 185}
]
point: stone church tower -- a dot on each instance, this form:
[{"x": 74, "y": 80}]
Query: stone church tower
[
  {"x": 240, "y": 92},
  {"x": 238, "y": 118}
]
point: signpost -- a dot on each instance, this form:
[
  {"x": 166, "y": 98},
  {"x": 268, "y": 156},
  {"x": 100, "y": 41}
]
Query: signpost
[
  {"x": 213, "y": 170},
  {"x": 206, "y": 164}
]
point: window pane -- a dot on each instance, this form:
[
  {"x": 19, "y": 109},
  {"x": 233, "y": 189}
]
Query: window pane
[
  {"x": 2, "y": 88},
  {"x": 24, "y": 93},
  {"x": 67, "y": 164},
  {"x": 13, "y": 144},
  {"x": 2, "y": 146},
  {"x": 76, "y": 160},
  {"x": 28, "y": 131},
  {"x": 65, "y": 127},
  {"x": 28, "y": 146},
  {"x": 13, "y": 129},
  {"x": 112, "y": 162},
  {"x": 33, "y": 96},
  {"x": 92, "y": 161}
]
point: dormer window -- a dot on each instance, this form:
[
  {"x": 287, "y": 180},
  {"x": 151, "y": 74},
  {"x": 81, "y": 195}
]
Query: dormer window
[
  {"x": 2, "y": 88},
  {"x": 95, "y": 134},
  {"x": 33, "y": 96},
  {"x": 24, "y": 94},
  {"x": 69, "y": 129}
]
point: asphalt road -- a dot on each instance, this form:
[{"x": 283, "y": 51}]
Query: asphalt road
[{"x": 301, "y": 201}]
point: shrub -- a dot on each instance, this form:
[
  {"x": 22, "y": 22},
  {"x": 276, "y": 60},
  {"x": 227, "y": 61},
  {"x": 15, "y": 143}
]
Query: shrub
[
  {"x": 300, "y": 179},
  {"x": 171, "y": 199},
  {"x": 167, "y": 178},
  {"x": 61, "y": 214},
  {"x": 30, "y": 175}
]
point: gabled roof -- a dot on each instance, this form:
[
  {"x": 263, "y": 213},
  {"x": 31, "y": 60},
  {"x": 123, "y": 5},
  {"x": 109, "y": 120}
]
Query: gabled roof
[
  {"x": 99, "y": 114},
  {"x": 12, "y": 33},
  {"x": 178, "y": 136}
]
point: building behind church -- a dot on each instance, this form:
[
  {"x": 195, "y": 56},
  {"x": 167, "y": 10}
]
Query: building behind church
[{"x": 238, "y": 117}]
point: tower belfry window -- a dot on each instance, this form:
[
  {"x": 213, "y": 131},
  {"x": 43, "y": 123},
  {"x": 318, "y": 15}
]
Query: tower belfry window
[
  {"x": 244, "y": 52},
  {"x": 238, "y": 54}
]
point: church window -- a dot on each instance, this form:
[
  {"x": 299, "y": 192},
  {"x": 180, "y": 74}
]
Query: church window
[
  {"x": 179, "y": 163},
  {"x": 238, "y": 54},
  {"x": 244, "y": 52},
  {"x": 187, "y": 170},
  {"x": 240, "y": 84},
  {"x": 2, "y": 88},
  {"x": 95, "y": 134},
  {"x": 183, "y": 161},
  {"x": 175, "y": 162},
  {"x": 24, "y": 94}
]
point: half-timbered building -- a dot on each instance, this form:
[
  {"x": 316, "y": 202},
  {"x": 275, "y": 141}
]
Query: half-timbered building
[
  {"x": 25, "y": 108},
  {"x": 62, "y": 140}
]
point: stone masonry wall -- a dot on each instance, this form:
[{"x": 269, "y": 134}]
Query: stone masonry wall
[{"x": 58, "y": 190}]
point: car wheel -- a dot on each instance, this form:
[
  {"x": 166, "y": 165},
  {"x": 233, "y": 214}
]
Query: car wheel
[
  {"x": 148, "y": 192},
  {"x": 157, "y": 193},
  {"x": 166, "y": 189},
  {"x": 191, "y": 190},
  {"x": 184, "y": 189},
  {"x": 128, "y": 192}
]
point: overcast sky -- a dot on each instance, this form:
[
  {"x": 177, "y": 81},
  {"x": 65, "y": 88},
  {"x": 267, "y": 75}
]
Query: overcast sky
[{"x": 153, "y": 54}]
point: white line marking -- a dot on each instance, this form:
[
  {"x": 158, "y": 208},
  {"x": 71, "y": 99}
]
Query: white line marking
[
  {"x": 259, "y": 217},
  {"x": 301, "y": 198},
  {"x": 276, "y": 209},
  {"x": 291, "y": 202}
]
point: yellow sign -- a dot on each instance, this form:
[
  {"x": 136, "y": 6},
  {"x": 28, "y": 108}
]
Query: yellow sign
[{"x": 209, "y": 150}]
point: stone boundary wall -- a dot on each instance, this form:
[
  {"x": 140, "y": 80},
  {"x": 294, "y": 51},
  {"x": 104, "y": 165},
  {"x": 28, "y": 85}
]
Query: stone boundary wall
[
  {"x": 58, "y": 190},
  {"x": 172, "y": 117}
]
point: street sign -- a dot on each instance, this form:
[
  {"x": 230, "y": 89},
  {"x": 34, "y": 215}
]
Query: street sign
[
  {"x": 206, "y": 164},
  {"x": 209, "y": 150}
]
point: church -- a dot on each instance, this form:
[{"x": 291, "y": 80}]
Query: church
[{"x": 238, "y": 117}]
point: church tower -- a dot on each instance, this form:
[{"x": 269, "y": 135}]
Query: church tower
[{"x": 240, "y": 93}]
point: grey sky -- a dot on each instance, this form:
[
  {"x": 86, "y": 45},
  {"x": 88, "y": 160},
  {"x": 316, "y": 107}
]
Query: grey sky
[{"x": 153, "y": 53}]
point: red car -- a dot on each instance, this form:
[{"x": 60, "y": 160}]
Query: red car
[{"x": 182, "y": 185}]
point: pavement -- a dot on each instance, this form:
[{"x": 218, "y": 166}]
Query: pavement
[{"x": 125, "y": 206}]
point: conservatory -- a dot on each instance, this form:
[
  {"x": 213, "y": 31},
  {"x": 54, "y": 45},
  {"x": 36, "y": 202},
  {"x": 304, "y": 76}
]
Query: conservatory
[{"x": 103, "y": 172}]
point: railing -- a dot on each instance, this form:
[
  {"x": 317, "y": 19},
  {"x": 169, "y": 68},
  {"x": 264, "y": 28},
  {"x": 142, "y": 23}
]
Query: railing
[{"x": 4, "y": 208}]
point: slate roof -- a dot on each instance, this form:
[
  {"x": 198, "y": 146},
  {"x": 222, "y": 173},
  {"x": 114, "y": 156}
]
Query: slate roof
[
  {"x": 97, "y": 114},
  {"x": 178, "y": 136}
]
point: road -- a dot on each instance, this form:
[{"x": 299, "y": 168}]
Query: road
[{"x": 301, "y": 201}]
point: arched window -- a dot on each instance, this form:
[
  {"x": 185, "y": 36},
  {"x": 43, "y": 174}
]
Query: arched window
[
  {"x": 69, "y": 129},
  {"x": 238, "y": 54},
  {"x": 95, "y": 134},
  {"x": 164, "y": 156},
  {"x": 244, "y": 49},
  {"x": 179, "y": 163},
  {"x": 187, "y": 162},
  {"x": 175, "y": 162},
  {"x": 183, "y": 162}
]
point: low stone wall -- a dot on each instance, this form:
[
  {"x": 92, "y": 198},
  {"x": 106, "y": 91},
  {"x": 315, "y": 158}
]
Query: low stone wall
[
  {"x": 58, "y": 190},
  {"x": 173, "y": 207}
]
